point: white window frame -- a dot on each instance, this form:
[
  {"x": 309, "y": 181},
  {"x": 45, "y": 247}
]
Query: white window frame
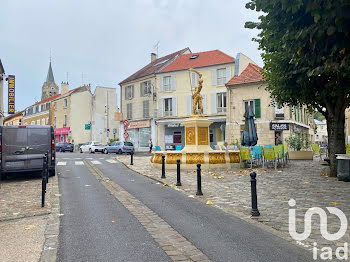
[
  {"x": 221, "y": 80},
  {"x": 145, "y": 107},
  {"x": 166, "y": 83},
  {"x": 43, "y": 121},
  {"x": 55, "y": 106},
  {"x": 249, "y": 102},
  {"x": 169, "y": 102},
  {"x": 129, "y": 111},
  {"x": 47, "y": 120},
  {"x": 128, "y": 90},
  {"x": 145, "y": 88},
  {"x": 38, "y": 122},
  {"x": 223, "y": 108},
  {"x": 65, "y": 121}
]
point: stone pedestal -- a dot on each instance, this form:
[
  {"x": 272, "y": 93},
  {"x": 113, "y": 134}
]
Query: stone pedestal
[{"x": 196, "y": 134}]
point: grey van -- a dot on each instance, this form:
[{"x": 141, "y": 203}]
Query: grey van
[{"x": 22, "y": 148}]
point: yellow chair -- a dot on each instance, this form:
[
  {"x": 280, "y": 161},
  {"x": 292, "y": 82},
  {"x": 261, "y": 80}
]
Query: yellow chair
[
  {"x": 348, "y": 149},
  {"x": 269, "y": 155},
  {"x": 245, "y": 156}
]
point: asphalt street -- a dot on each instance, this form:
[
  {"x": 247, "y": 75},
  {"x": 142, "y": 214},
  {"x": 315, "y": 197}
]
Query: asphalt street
[{"x": 87, "y": 232}]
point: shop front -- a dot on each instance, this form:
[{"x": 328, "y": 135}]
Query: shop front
[
  {"x": 62, "y": 134},
  {"x": 139, "y": 134}
]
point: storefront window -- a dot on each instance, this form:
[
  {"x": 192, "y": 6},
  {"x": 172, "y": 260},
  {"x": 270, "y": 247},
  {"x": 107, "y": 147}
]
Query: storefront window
[
  {"x": 132, "y": 136},
  {"x": 145, "y": 135}
]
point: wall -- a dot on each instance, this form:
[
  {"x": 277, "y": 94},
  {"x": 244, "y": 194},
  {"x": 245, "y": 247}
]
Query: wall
[
  {"x": 14, "y": 121},
  {"x": 60, "y": 111},
  {"x": 38, "y": 116}
]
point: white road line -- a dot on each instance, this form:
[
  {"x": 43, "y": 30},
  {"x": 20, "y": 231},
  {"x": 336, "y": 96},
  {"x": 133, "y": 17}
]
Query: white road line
[
  {"x": 96, "y": 162},
  {"x": 112, "y": 161},
  {"x": 77, "y": 158},
  {"x": 102, "y": 158},
  {"x": 79, "y": 163},
  {"x": 89, "y": 158},
  {"x": 61, "y": 163}
]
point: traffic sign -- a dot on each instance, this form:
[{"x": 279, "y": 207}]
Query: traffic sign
[
  {"x": 107, "y": 130},
  {"x": 87, "y": 127},
  {"x": 125, "y": 122},
  {"x": 126, "y": 135}
]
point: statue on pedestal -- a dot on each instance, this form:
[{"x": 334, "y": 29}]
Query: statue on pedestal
[{"x": 196, "y": 95}]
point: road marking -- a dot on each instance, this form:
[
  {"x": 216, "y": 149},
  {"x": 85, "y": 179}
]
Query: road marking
[
  {"x": 102, "y": 158},
  {"x": 112, "y": 161},
  {"x": 77, "y": 158},
  {"x": 79, "y": 163},
  {"x": 89, "y": 158},
  {"x": 96, "y": 162},
  {"x": 61, "y": 163}
]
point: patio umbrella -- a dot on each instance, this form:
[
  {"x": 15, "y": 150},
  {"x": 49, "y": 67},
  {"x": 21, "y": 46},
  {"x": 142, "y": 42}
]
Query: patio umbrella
[{"x": 249, "y": 136}]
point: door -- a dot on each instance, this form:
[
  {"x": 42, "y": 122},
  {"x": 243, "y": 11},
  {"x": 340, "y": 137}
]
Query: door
[
  {"x": 14, "y": 144},
  {"x": 39, "y": 142}
]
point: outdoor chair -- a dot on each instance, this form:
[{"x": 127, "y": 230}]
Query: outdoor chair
[
  {"x": 316, "y": 150},
  {"x": 269, "y": 155},
  {"x": 348, "y": 149},
  {"x": 267, "y": 146},
  {"x": 158, "y": 148},
  {"x": 178, "y": 148},
  {"x": 257, "y": 153},
  {"x": 278, "y": 152},
  {"x": 285, "y": 153},
  {"x": 245, "y": 156}
]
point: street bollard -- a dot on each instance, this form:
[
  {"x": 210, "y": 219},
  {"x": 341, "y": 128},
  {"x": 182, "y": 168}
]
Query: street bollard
[
  {"x": 132, "y": 158},
  {"x": 254, "y": 212},
  {"x": 43, "y": 182},
  {"x": 47, "y": 168},
  {"x": 178, "y": 182},
  {"x": 199, "y": 181},
  {"x": 163, "y": 167}
]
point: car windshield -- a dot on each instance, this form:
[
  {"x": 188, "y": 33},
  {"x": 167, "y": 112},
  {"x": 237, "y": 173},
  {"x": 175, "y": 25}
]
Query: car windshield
[
  {"x": 98, "y": 144},
  {"x": 128, "y": 144}
]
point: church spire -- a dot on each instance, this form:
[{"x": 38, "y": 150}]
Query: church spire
[{"x": 50, "y": 78}]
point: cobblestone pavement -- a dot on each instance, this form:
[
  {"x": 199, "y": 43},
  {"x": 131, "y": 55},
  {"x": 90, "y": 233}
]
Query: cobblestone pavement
[
  {"x": 26, "y": 229},
  {"x": 303, "y": 181}
]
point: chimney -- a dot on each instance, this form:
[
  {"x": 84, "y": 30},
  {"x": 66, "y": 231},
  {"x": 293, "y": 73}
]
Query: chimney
[
  {"x": 64, "y": 87},
  {"x": 153, "y": 57}
]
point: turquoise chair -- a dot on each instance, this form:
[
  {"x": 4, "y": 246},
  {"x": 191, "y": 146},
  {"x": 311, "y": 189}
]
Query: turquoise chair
[
  {"x": 178, "y": 148},
  {"x": 158, "y": 148},
  {"x": 257, "y": 153},
  {"x": 267, "y": 146}
]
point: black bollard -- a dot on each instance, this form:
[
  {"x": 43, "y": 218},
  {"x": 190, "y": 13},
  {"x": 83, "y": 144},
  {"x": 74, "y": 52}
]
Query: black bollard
[
  {"x": 163, "y": 166},
  {"x": 254, "y": 212},
  {"x": 199, "y": 181},
  {"x": 43, "y": 182},
  {"x": 47, "y": 168},
  {"x": 132, "y": 158},
  {"x": 178, "y": 183}
]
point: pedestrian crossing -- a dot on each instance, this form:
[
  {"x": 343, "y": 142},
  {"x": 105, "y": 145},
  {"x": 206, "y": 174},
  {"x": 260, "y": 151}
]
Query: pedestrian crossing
[{"x": 77, "y": 162}]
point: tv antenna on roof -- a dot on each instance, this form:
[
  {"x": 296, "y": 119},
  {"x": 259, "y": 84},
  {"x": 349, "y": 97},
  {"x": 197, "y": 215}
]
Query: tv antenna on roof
[{"x": 156, "y": 46}]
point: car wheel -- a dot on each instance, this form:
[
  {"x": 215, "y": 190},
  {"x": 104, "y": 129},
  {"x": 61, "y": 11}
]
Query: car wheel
[
  {"x": 120, "y": 152},
  {"x": 90, "y": 151},
  {"x": 81, "y": 151},
  {"x": 61, "y": 150},
  {"x": 106, "y": 151}
]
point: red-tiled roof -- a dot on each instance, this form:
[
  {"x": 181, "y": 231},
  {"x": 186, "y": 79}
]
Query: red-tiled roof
[
  {"x": 249, "y": 75},
  {"x": 47, "y": 99},
  {"x": 207, "y": 58},
  {"x": 155, "y": 66}
]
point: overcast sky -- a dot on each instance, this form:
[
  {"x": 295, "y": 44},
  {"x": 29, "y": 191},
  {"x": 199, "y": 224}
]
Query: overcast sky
[{"x": 104, "y": 41}]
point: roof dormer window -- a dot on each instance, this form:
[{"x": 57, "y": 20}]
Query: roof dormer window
[{"x": 194, "y": 56}]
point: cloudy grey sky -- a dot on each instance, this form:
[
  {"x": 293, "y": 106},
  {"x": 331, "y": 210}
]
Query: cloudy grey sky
[{"x": 107, "y": 40}]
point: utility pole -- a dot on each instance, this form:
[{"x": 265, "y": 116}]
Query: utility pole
[{"x": 107, "y": 119}]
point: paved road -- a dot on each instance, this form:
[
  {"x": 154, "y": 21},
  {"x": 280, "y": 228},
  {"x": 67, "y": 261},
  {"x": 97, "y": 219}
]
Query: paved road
[{"x": 88, "y": 234}]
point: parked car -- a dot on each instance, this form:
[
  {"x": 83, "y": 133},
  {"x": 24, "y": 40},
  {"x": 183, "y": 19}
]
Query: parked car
[
  {"x": 92, "y": 147},
  {"x": 119, "y": 147},
  {"x": 23, "y": 147},
  {"x": 64, "y": 146}
]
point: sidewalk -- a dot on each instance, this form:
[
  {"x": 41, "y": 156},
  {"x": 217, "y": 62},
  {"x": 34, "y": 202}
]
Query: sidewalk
[
  {"x": 230, "y": 192},
  {"x": 25, "y": 227}
]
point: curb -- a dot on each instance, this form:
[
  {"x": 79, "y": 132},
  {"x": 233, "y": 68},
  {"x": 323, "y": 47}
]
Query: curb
[{"x": 49, "y": 252}]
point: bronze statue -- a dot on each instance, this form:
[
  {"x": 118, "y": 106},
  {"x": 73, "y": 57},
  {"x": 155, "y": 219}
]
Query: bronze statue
[{"x": 196, "y": 96}]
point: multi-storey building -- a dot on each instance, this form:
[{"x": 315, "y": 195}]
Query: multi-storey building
[
  {"x": 321, "y": 135},
  {"x": 139, "y": 100},
  {"x": 49, "y": 87},
  {"x": 176, "y": 84},
  {"x": 2, "y": 74},
  {"x": 14, "y": 120},
  {"x": 248, "y": 89},
  {"x": 39, "y": 113}
]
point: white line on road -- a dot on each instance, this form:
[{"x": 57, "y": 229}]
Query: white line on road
[
  {"x": 61, "y": 163},
  {"x": 102, "y": 158},
  {"x": 77, "y": 158},
  {"x": 96, "y": 162},
  {"x": 112, "y": 161},
  {"x": 79, "y": 163},
  {"x": 89, "y": 158}
]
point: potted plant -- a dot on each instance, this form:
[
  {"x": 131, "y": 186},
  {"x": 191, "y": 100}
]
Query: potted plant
[{"x": 300, "y": 145}]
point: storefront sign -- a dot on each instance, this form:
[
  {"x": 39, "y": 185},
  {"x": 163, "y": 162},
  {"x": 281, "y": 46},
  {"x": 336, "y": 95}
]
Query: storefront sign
[
  {"x": 279, "y": 126},
  {"x": 139, "y": 124},
  {"x": 87, "y": 127},
  {"x": 279, "y": 112},
  {"x": 11, "y": 94},
  {"x": 62, "y": 131},
  {"x": 175, "y": 125}
]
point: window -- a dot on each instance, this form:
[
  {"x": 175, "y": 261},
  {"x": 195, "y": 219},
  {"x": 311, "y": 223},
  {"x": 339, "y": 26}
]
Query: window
[
  {"x": 167, "y": 83},
  {"x": 145, "y": 88},
  {"x": 129, "y": 92},
  {"x": 47, "y": 121},
  {"x": 129, "y": 111},
  {"x": 249, "y": 103},
  {"x": 54, "y": 122},
  {"x": 146, "y": 109},
  {"x": 42, "y": 107},
  {"x": 43, "y": 121},
  {"x": 32, "y": 123},
  {"x": 221, "y": 102},
  {"x": 38, "y": 122},
  {"x": 317, "y": 136},
  {"x": 321, "y": 127},
  {"x": 65, "y": 103},
  {"x": 47, "y": 106},
  {"x": 168, "y": 107},
  {"x": 37, "y": 109},
  {"x": 65, "y": 121},
  {"x": 20, "y": 122},
  {"x": 221, "y": 76},
  {"x": 55, "y": 106}
]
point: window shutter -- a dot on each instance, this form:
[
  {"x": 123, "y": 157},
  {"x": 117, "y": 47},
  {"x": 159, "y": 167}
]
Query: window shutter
[
  {"x": 213, "y": 103},
  {"x": 257, "y": 108},
  {"x": 214, "y": 77},
  {"x": 173, "y": 83},
  {"x": 290, "y": 113},
  {"x": 189, "y": 105},
  {"x": 174, "y": 104},
  {"x": 125, "y": 95},
  {"x": 141, "y": 91},
  {"x": 298, "y": 108},
  {"x": 161, "y": 84},
  {"x": 204, "y": 103},
  {"x": 132, "y": 91},
  {"x": 228, "y": 74},
  {"x": 160, "y": 107}
]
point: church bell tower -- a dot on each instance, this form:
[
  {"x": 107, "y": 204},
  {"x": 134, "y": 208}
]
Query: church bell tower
[{"x": 49, "y": 87}]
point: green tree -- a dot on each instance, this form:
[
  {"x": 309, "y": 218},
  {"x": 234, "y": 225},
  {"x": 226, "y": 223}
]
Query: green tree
[{"x": 306, "y": 51}]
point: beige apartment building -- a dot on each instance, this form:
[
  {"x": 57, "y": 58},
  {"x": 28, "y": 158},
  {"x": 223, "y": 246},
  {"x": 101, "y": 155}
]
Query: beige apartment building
[
  {"x": 248, "y": 89},
  {"x": 176, "y": 84},
  {"x": 14, "y": 120},
  {"x": 139, "y": 95},
  {"x": 321, "y": 136},
  {"x": 39, "y": 113}
]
